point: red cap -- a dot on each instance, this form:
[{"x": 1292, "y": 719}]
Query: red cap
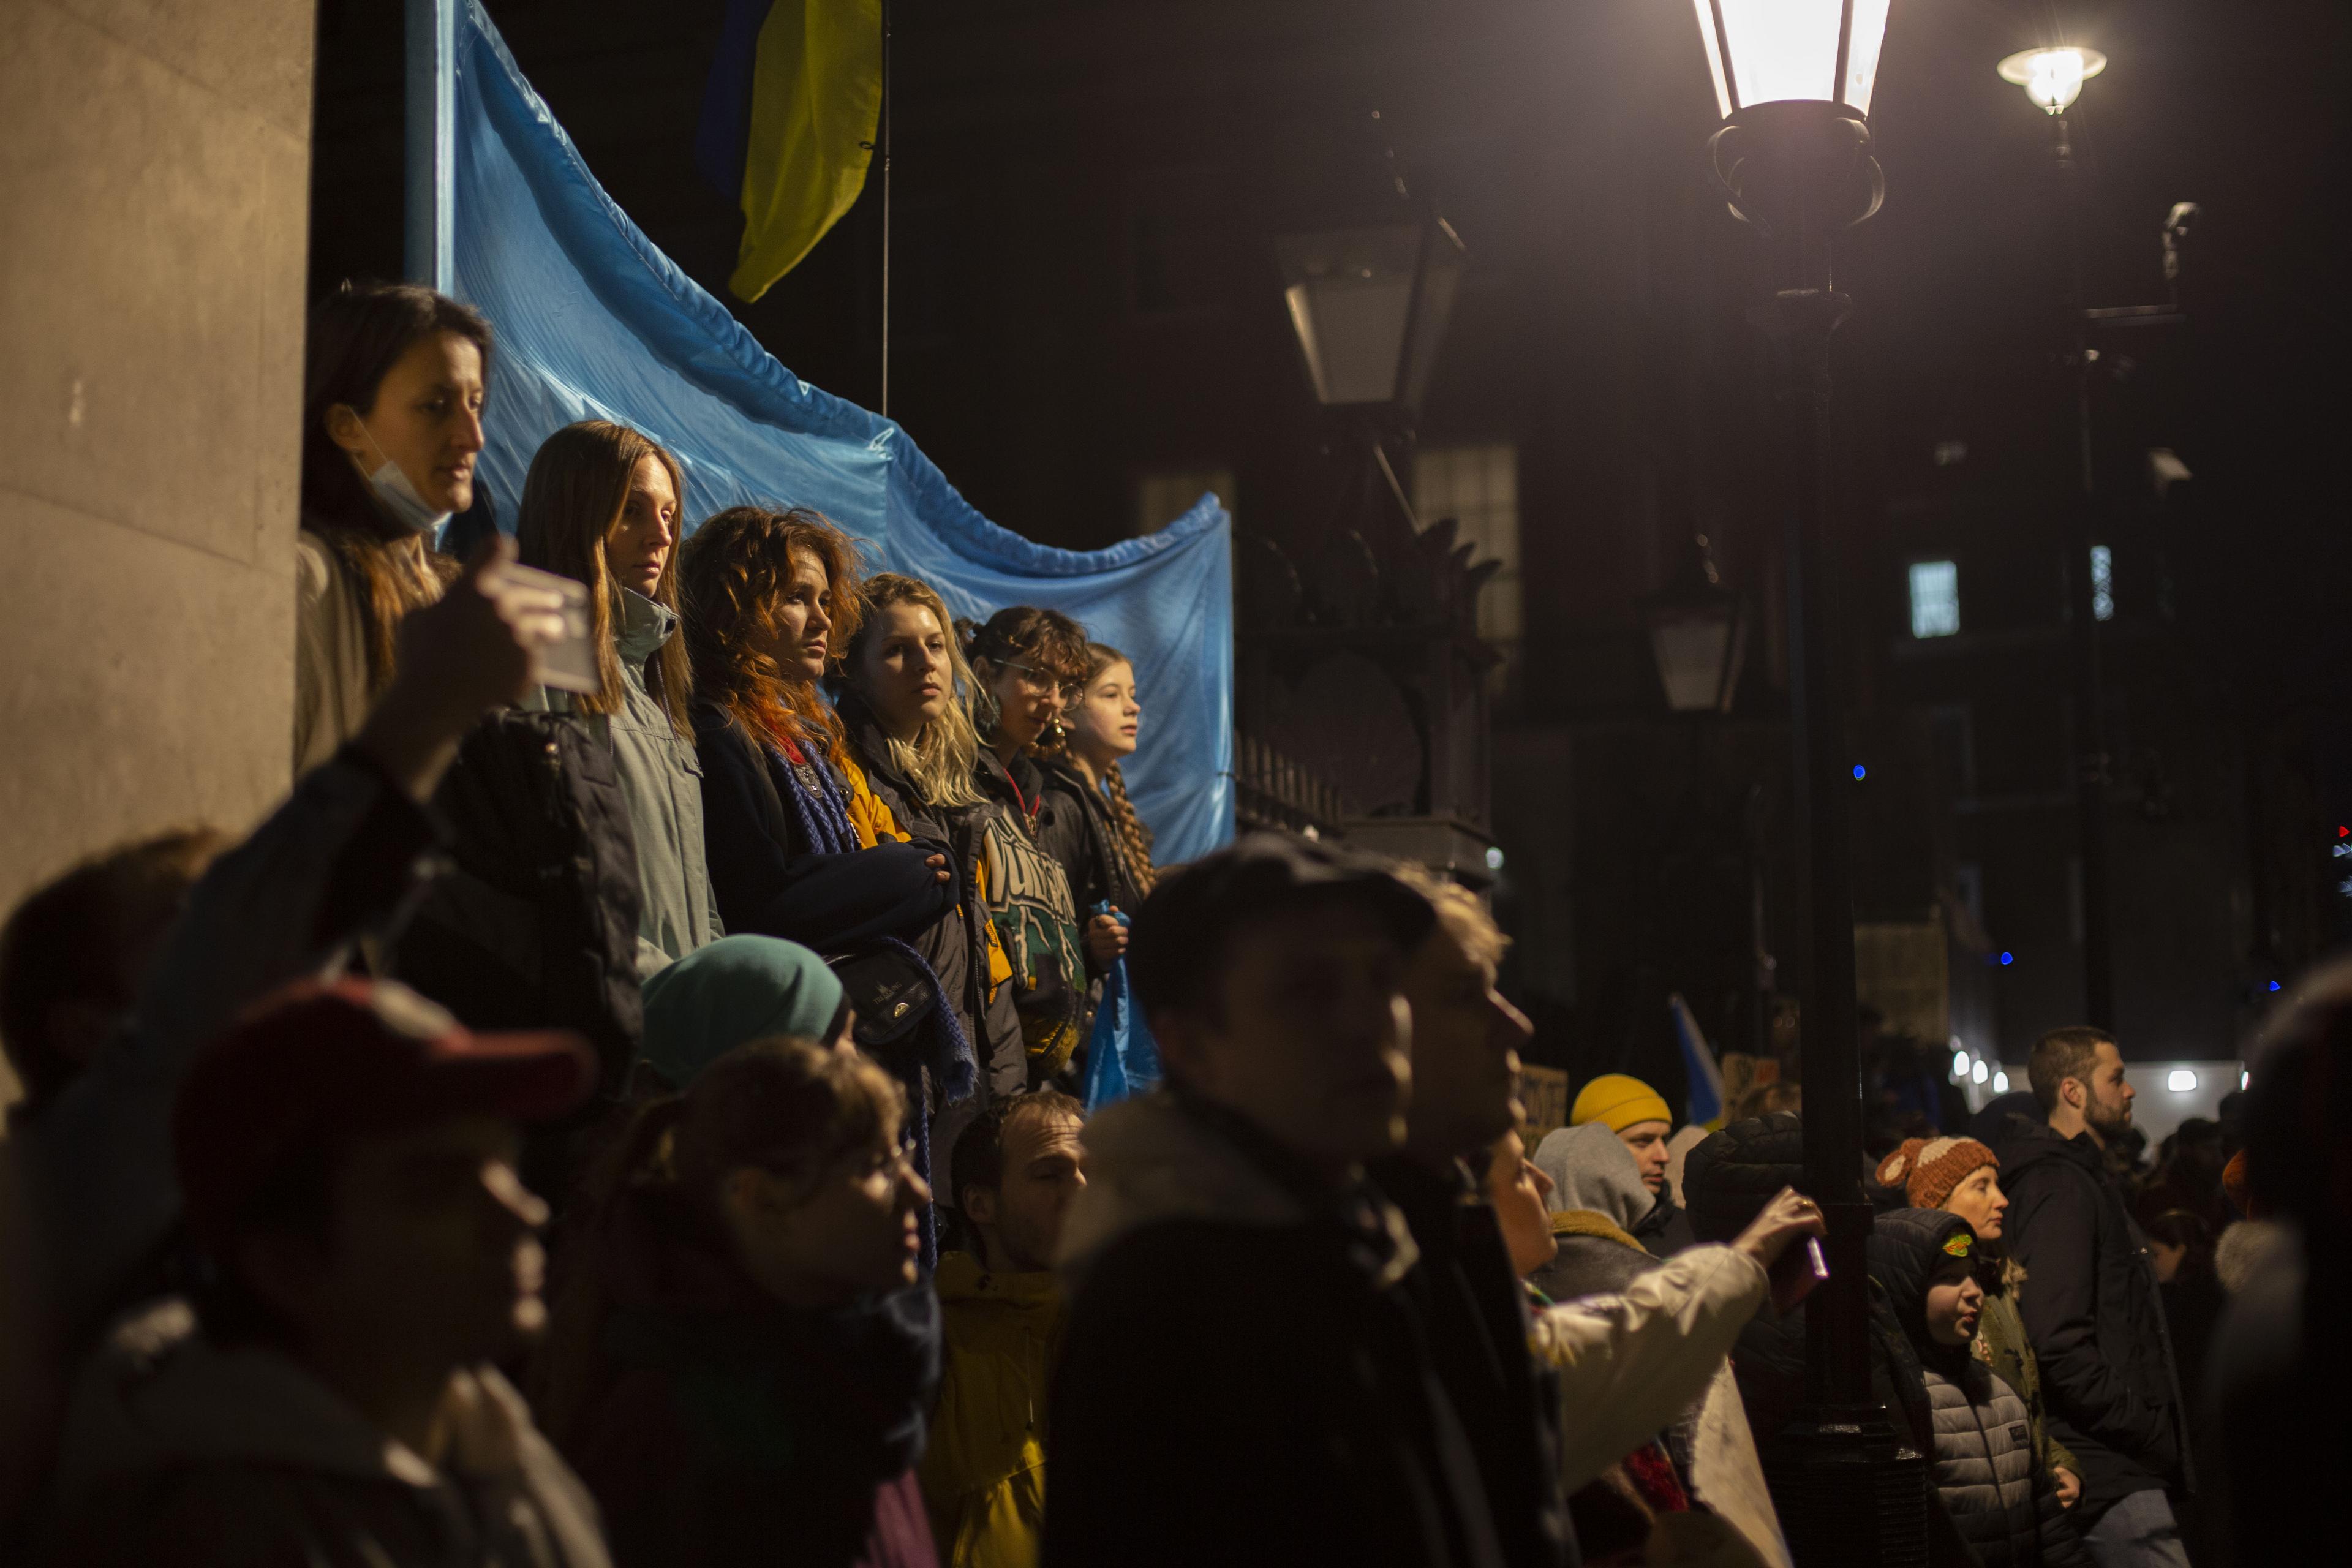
[{"x": 350, "y": 1057}]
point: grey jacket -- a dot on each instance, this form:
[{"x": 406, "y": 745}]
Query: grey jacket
[
  {"x": 2000, "y": 1499},
  {"x": 178, "y": 1451},
  {"x": 662, "y": 783}
]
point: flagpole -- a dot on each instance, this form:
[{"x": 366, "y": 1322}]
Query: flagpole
[
  {"x": 888, "y": 105},
  {"x": 430, "y": 248}
]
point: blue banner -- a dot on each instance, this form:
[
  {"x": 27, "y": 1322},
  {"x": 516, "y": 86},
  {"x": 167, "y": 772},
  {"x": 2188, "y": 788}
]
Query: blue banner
[{"x": 595, "y": 322}]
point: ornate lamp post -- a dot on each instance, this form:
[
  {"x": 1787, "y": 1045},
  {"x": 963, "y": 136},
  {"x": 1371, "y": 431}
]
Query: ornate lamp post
[
  {"x": 1698, "y": 635},
  {"x": 2052, "y": 76},
  {"x": 1793, "y": 81}
]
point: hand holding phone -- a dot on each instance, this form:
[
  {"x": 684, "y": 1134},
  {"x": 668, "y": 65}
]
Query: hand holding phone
[{"x": 1782, "y": 1240}]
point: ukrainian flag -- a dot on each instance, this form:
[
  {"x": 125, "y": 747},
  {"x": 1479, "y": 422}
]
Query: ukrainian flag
[{"x": 788, "y": 120}]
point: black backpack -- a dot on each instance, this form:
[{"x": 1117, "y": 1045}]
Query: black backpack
[{"x": 535, "y": 927}]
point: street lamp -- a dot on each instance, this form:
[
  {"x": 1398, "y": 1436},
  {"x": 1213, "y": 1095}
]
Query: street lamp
[
  {"x": 2052, "y": 78},
  {"x": 1370, "y": 305},
  {"x": 1794, "y": 81},
  {"x": 1697, "y": 635}
]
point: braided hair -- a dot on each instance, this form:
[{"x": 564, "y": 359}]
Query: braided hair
[{"x": 1134, "y": 839}]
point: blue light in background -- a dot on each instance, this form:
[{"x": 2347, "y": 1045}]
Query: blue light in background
[
  {"x": 2274, "y": 985},
  {"x": 2007, "y": 959},
  {"x": 1860, "y": 772}
]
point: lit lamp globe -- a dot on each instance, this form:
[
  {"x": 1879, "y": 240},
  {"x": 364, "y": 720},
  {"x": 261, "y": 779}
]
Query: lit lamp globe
[
  {"x": 1782, "y": 51},
  {"x": 1370, "y": 306},
  {"x": 2052, "y": 78}
]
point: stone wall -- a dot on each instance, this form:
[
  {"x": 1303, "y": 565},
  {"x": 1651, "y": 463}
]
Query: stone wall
[{"x": 154, "y": 168}]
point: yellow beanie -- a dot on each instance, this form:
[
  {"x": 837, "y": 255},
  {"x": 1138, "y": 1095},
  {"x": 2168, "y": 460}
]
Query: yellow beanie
[{"x": 1618, "y": 1102}]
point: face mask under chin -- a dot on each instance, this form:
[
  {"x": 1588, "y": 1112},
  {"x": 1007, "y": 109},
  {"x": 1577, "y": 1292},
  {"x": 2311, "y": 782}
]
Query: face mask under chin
[{"x": 399, "y": 496}]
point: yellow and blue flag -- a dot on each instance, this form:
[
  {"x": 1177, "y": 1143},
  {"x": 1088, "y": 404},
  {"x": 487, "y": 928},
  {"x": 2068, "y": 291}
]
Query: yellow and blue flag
[{"x": 788, "y": 124}]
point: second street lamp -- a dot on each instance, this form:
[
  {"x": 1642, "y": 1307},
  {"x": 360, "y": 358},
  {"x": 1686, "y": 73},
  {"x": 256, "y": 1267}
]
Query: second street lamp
[{"x": 1794, "y": 81}]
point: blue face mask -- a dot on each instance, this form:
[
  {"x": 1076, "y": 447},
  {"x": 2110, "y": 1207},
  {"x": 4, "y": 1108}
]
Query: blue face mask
[{"x": 399, "y": 496}]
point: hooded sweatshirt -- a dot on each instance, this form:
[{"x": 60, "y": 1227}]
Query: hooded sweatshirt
[
  {"x": 178, "y": 1450},
  {"x": 1245, "y": 1377}
]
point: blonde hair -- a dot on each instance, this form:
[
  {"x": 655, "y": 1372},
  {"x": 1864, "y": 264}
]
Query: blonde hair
[
  {"x": 737, "y": 565},
  {"x": 939, "y": 762},
  {"x": 1464, "y": 914},
  {"x": 571, "y": 501}
]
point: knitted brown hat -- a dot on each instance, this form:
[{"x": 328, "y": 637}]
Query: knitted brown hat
[{"x": 1927, "y": 1169}]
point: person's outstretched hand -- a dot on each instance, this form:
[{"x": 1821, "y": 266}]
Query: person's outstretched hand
[
  {"x": 475, "y": 651},
  {"x": 1788, "y": 1215},
  {"x": 1106, "y": 940}
]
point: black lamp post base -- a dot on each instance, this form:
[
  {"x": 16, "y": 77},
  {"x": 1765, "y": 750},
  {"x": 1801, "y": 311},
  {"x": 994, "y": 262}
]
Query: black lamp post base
[{"x": 1850, "y": 1493}]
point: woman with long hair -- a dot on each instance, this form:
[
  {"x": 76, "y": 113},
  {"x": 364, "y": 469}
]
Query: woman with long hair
[
  {"x": 392, "y": 421},
  {"x": 1028, "y": 665},
  {"x": 602, "y": 506},
  {"x": 906, "y": 711},
  {"x": 800, "y": 845},
  {"x": 745, "y": 1354},
  {"x": 1091, "y": 825}
]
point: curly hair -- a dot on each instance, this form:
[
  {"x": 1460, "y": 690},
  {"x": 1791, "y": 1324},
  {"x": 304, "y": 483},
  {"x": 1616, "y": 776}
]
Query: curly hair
[
  {"x": 736, "y": 568},
  {"x": 1047, "y": 641},
  {"x": 571, "y": 501},
  {"x": 939, "y": 762}
]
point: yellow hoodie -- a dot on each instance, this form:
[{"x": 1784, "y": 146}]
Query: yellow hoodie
[{"x": 983, "y": 1475}]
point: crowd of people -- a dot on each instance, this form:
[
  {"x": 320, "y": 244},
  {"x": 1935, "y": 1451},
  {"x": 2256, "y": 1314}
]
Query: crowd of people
[{"x": 630, "y": 1105}]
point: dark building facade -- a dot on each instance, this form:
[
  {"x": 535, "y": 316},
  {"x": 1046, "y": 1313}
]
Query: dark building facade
[{"x": 1087, "y": 328}]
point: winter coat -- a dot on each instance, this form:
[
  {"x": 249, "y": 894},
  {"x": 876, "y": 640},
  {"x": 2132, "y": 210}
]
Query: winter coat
[
  {"x": 1998, "y": 1499},
  {"x": 769, "y": 878},
  {"x": 336, "y": 862},
  {"x": 984, "y": 999},
  {"x": 1508, "y": 1402},
  {"x": 1598, "y": 1264},
  {"x": 1246, "y": 1377},
  {"x": 181, "y": 1451},
  {"x": 2094, "y": 1316},
  {"x": 332, "y": 693},
  {"x": 2002, "y": 1345},
  {"x": 1076, "y": 828},
  {"x": 985, "y": 1473},
  {"x": 724, "y": 1428},
  {"x": 1028, "y": 897},
  {"x": 662, "y": 783}
]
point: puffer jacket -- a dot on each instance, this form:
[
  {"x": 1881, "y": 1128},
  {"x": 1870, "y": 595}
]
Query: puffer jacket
[
  {"x": 2094, "y": 1315},
  {"x": 1998, "y": 1499},
  {"x": 983, "y": 1473}
]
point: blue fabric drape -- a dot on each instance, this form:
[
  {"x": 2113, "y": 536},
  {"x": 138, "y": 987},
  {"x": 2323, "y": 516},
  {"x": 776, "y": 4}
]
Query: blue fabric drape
[{"x": 594, "y": 322}]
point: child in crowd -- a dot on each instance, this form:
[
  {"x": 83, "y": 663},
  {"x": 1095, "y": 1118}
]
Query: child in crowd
[
  {"x": 765, "y": 1357},
  {"x": 603, "y": 505},
  {"x": 346, "y": 1156},
  {"x": 1960, "y": 1176},
  {"x": 1017, "y": 1168},
  {"x": 1089, "y": 825},
  {"x": 1998, "y": 1497},
  {"x": 392, "y": 424}
]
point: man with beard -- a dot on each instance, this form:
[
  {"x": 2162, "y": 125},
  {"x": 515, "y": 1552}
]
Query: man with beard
[{"x": 2094, "y": 1314}]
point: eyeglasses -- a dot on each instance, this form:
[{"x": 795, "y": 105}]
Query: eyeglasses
[{"x": 1032, "y": 677}]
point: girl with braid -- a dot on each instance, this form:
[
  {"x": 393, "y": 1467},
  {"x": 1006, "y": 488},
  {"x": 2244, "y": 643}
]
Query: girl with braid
[{"x": 1089, "y": 825}]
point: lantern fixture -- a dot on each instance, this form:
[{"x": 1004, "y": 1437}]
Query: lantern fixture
[
  {"x": 1772, "y": 51},
  {"x": 1370, "y": 306},
  {"x": 2052, "y": 78},
  {"x": 1697, "y": 635}
]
